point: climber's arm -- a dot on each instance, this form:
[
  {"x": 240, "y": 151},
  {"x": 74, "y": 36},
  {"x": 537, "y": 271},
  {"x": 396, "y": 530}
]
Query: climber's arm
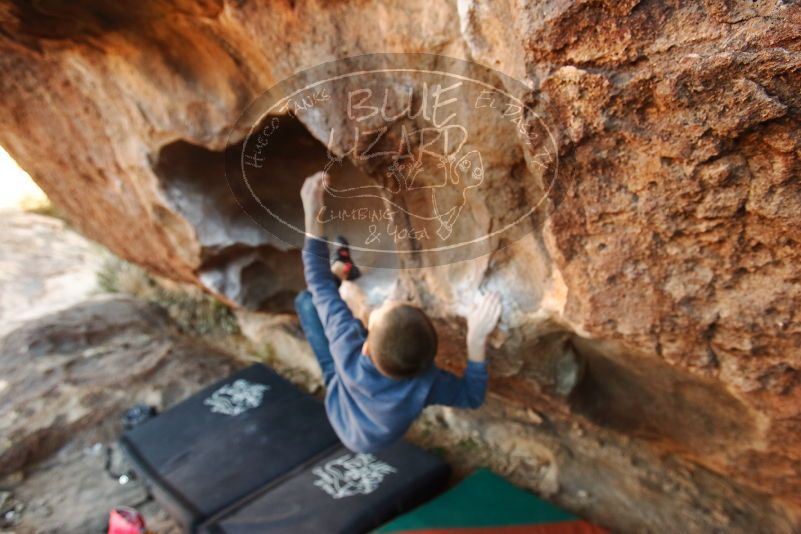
[
  {"x": 334, "y": 314},
  {"x": 469, "y": 392}
]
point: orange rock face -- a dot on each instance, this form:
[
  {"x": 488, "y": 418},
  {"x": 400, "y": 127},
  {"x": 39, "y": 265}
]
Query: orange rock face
[{"x": 651, "y": 312}]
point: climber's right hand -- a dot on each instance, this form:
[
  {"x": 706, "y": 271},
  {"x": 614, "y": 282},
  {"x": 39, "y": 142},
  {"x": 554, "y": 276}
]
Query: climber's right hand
[{"x": 481, "y": 322}]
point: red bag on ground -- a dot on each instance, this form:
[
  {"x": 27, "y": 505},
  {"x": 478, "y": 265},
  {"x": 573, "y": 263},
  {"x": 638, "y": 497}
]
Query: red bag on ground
[{"x": 125, "y": 520}]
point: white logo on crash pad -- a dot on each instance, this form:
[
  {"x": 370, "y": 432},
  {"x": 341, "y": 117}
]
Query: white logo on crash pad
[
  {"x": 236, "y": 398},
  {"x": 350, "y": 474}
]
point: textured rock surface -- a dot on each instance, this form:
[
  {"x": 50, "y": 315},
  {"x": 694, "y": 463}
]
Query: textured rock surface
[
  {"x": 44, "y": 267},
  {"x": 73, "y": 492},
  {"x": 666, "y": 252},
  {"x": 84, "y": 366},
  {"x": 67, "y": 378}
]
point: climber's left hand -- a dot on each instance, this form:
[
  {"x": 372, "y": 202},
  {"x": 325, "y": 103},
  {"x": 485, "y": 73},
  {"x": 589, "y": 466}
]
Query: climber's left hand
[{"x": 311, "y": 194}]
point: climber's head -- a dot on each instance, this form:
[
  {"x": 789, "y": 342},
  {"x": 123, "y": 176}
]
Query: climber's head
[{"x": 401, "y": 340}]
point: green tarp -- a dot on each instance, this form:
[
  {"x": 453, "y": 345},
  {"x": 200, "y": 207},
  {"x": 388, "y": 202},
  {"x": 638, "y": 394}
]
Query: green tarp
[{"x": 485, "y": 502}]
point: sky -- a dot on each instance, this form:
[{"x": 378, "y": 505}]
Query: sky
[{"x": 17, "y": 189}]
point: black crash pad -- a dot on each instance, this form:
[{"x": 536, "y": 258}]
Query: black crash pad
[
  {"x": 340, "y": 492},
  {"x": 226, "y": 442}
]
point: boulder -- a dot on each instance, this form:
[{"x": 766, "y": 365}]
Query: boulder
[
  {"x": 651, "y": 301},
  {"x": 68, "y": 377},
  {"x": 44, "y": 267}
]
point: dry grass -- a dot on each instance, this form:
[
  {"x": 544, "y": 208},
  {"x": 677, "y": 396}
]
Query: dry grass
[{"x": 195, "y": 312}]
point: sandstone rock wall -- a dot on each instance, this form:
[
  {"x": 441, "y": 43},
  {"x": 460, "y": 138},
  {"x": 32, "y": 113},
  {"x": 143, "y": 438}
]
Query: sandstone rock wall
[{"x": 666, "y": 252}]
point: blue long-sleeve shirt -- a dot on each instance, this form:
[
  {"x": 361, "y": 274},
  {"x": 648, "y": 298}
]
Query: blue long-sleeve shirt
[{"x": 368, "y": 410}]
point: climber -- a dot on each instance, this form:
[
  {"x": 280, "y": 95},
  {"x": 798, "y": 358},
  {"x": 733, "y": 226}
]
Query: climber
[{"x": 380, "y": 378}]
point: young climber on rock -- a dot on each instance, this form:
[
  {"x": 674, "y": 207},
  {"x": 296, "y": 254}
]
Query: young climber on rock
[{"x": 379, "y": 379}]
